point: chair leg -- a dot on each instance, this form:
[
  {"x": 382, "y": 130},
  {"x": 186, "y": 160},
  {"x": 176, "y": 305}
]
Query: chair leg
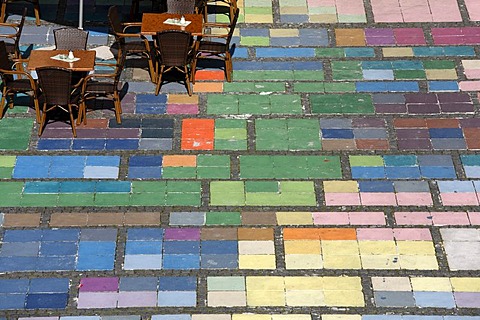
[
  {"x": 159, "y": 80},
  {"x": 228, "y": 66},
  {"x": 4, "y": 9},
  {"x": 36, "y": 8},
  {"x": 3, "y": 101},
  {"x": 37, "y": 107},
  {"x": 82, "y": 114},
  {"x": 118, "y": 107},
  {"x": 72, "y": 121},
  {"x": 187, "y": 81},
  {"x": 42, "y": 120},
  {"x": 193, "y": 69}
]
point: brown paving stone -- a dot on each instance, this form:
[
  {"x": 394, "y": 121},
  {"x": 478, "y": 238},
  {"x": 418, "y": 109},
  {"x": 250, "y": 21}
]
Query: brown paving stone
[
  {"x": 339, "y": 144},
  {"x": 142, "y": 219},
  {"x": 21, "y": 220},
  {"x": 372, "y": 144},
  {"x": 259, "y": 218},
  {"x": 443, "y": 123},
  {"x": 409, "y": 123},
  {"x": 95, "y": 123},
  {"x": 349, "y": 37},
  {"x": 68, "y": 220},
  {"x": 219, "y": 234},
  {"x": 105, "y": 219},
  {"x": 255, "y": 234}
]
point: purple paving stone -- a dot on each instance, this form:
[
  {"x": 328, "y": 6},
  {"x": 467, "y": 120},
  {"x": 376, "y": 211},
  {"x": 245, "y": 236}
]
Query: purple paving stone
[
  {"x": 182, "y": 234},
  {"x": 426, "y": 108},
  {"x": 128, "y": 108},
  {"x": 454, "y": 97},
  {"x": 470, "y": 123},
  {"x": 390, "y": 108},
  {"x": 182, "y": 109},
  {"x": 57, "y": 133},
  {"x": 88, "y": 300},
  {"x": 378, "y": 32},
  {"x": 409, "y": 32},
  {"x": 467, "y": 299},
  {"x": 91, "y": 133},
  {"x": 457, "y": 107},
  {"x": 99, "y": 284},
  {"x": 57, "y": 124},
  {"x": 446, "y": 31},
  {"x": 449, "y": 40},
  {"x": 127, "y": 133},
  {"x": 421, "y": 98},
  {"x": 368, "y": 123},
  {"x": 375, "y": 41},
  {"x": 129, "y": 98},
  {"x": 414, "y": 144},
  {"x": 412, "y": 134},
  {"x": 137, "y": 299}
]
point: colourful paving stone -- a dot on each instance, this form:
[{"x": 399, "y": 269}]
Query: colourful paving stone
[
  {"x": 287, "y": 134},
  {"x": 15, "y": 133},
  {"x": 342, "y": 104},
  {"x": 424, "y": 11}
]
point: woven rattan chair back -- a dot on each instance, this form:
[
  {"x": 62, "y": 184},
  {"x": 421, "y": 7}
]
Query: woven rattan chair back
[
  {"x": 173, "y": 47},
  {"x": 55, "y": 83},
  {"x": 70, "y": 39},
  {"x": 5, "y": 63},
  {"x": 181, "y": 6}
]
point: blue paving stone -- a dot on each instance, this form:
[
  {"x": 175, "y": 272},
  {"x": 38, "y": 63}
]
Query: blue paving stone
[
  {"x": 121, "y": 144},
  {"x": 49, "y": 285},
  {"x": 364, "y": 133},
  {"x": 336, "y": 123},
  {"x": 455, "y": 186},
  {"x": 181, "y": 261},
  {"x": 470, "y": 160},
  {"x": 143, "y": 247},
  {"x": 144, "y": 173},
  {"x": 151, "y": 99},
  {"x": 143, "y": 262},
  {"x": 150, "y": 109},
  {"x": 20, "y": 249},
  {"x": 377, "y": 65},
  {"x": 143, "y": 86},
  {"x": 411, "y": 186},
  {"x": 87, "y": 248},
  {"x": 407, "y": 65},
  {"x": 472, "y": 172},
  {"x": 113, "y": 186},
  {"x": 77, "y": 186},
  {"x": 29, "y": 161},
  {"x": 144, "y": 161},
  {"x": 156, "y": 123},
  {"x": 428, "y": 51},
  {"x": 359, "y": 52},
  {"x": 14, "y": 285},
  {"x": 445, "y": 133},
  {"x": 443, "y": 86},
  {"x": 476, "y": 185},
  {"x": 60, "y": 234},
  {"x": 368, "y": 172},
  {"x": 402, "y": 172},
  {"x": 219, "y": 247},
  {"x": 254, "y": 32},
  {"x": 438, "y": 172},
  {"x": 177, "y": 299},
  {"x": 285, "y": 52},
  {"x": 426, "y": 299},
  {"x": 375, "y": 186},
  {"x": 70, "y": 161},
  {"x": 138, "y": 284},
  {"x": 381, "y": 317},
  {"x": 285, "y": 42},
  {"x": 47, "y": 301},
  {"x": 459, "y": 51},
  {"x": 435, "y": 160},
  {"x": 371, "y": 86},
  {"x": 145, "y": 234},
  {"x": 33, "y": 172},
  {"x": 171, "y": 317},
  {"x": 12, "y": 301},
  {"x": 88, "y": 144},
  {"x": 388, "y": 98},
  {"x": 109, "y": 234},
  {"x": 394, "y": 299},
  {"x": 378, "y": 75},
  {"x": 239, "y": 52},
  {"x": 219, "y": 261},
  {"x": 337, "y": 134},
  {"x": 157, "y": 133},
  {"x": 181, "y": 247},
  {"x": 66, "y": 173},
  {"x": 421, "y": 317},
  {"x": 132, "y": 317},
  {"x": 95, "y": 262},
  {"x": 402, "y": 86},
  {"x": 22, "y": 235},
  {"x": 177, "y": 283},
  {"x": 55, "y": 248},
  {"x": 55, "y": 263},
  {"x": 104, "y": 161},
  {"x": 100, "y": 172},
  {"x": 187, "y": 218},
  {"x": 448, "y": 144},
  {"x": 12, "y": 264}
]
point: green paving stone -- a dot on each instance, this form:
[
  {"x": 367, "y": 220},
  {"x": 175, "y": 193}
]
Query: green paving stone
[
  {"x": 271, "y": 123},
  {"x": 76, "y": 199},
  {"x": 147, "y": 199},
  {"x": 230, "y": 193},
  {"x": 39, "y": 200},
  {"x": 223, "y": 218},
  {"x": 347, "y": 75},
  {"x": 149, "y": 186},
  {"x": 324, "y": 167},
  {"x": 348, "y": 18},
  {"x": 230, "y": 123},
  {"x": 409, "y": 74},
  {"x": 255, "y": 41},
  {"x": 269, "y": 86},
  {"x": 297, "y": 186},
  {"x": 213, "y": 172},
  {"x": 5, "y": 172},
  {"x": 342, "y": 103},
  {"x": 439, "y": 64},
  {"x": 222, "y": 104},
  {"x": 261, "y": 186},
  {"x": 111, "y": 199},
  {"x": 178, "y": 172},
  {"x": 297, "y": 199},
  {"x": 366, "y": 161},
  {"x": 11, "y": 200},
  {"x": 292, "y": 3},
  {"x": 310, "y": 75},
  {"x": 262, "y": 75},
  {"x": 262, "y": 199},
  {"x": 209, "y": 160},
  {"x": 334, "y": 87},
  {"x": 183, "y": 199},
  {"x": 11, "y": 187},
  {"x": 230, "y": 144},
  {"x": 230, "y": 283},
  {"x": 286, "y": 104},
  {"x": 257, "y": 10},
  {"x": 262, "y": 107},
  {"x": 231, "y": 133},
  {"x": 15, "y": 133},
  {"x": 329, "y": 52},
  {"x": 7, "y": 161},
  {"x": 315, "y": 87},
  {"x": 271, "y": 144},
  {"x": 184, "y": 186}
]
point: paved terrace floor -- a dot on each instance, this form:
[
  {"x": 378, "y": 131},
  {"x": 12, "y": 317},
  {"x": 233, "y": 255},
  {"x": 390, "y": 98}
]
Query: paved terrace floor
[{"x": 336, "y": 178}]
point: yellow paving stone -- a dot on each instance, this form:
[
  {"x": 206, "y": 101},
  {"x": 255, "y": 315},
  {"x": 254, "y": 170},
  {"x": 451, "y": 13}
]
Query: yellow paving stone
[
  {"x": 257, "y": 261},
  {"x": 342, "y": 283},
  {"x": 302, "y": 246},
  {"x": 377, "y": 247},
  {"x": 437, "y": 284},
  {"x": 293, "y": 10},
  {"x": 227, "y": 299},
  {"x": 251, "y": 317},
  {"x": 304, "y": 282},
  {"x": 294, "y": 218},
  {"x": 471, "y": 64},
  {"x": 391, "y": 284},
  {"x": 381, "y": 262},
  {"x": 417, "y": 262},
  {"x": 441, "y": 74},
  {"x": 465, "y": 284},
  {"x": 341, "y": 317},
  {"x": 344, "y": 298},
  {"x": 397, "y": 52},
  {"x": 291, "y": 317},
  {"x": 258, "y": 18},
  {"x": 323, "y": 18},
  {"x": 340, "y": 186},
  {"x": 254, "y": 283},
  {"x": 265, "y": 298},
  {"x": 303, "y": 261},
  {"x": 284, "y": 33},
  {"x": 299, "y": 298},
  {"x": 416, "y": 247},
  {"x": 183, "y": 99},
  {"x": 340, "y": 247},
  {"x": 342, "y": 262}
]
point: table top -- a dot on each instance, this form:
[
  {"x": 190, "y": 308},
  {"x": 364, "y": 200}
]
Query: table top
[
  {"x": 153, "y": 23},
  {"x": 42, "y": 58}
]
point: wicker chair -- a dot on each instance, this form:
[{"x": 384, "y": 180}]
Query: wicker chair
[
  {"x": 15, "y": 81},
  {"x": 102, "y": 86},
  {"x": 216, "y": 46},
  {"x": 130, "y": 43},
  {"x": 181, "y": 6},
  {"x": 173, "y": 52},
  {"x": 70, "y": 39},
  {"x": 36, "y": 8},
  {"x": 12, "y": 39},
  {"x": 58, "y": 93}
]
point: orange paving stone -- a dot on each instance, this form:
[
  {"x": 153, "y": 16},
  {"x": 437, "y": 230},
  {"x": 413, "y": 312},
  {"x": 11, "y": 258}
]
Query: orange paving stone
[
  {"x": 337, "y": 234},
  {"x": 300, "y": 234},
  {"x": 210, "y": 75},
  {"x": 94, "y": 123},
  {"x": 350, "y": 37},
  {"x": 198, "y": 134},
  {"x": 373, "y": 144},
  {"x": 179, "y": 161},
  {"x": 182, "y": 99},
  {"x": 443, "y": 123},
  {"x": 208, "y": 87}
]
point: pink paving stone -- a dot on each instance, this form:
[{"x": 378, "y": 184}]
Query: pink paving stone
[
  {"x": 367, "y": 218},
  {"x": 182, "y": 109},
  {"x": 89, "y": 300},
  {"x": 469, "y": 85},
  {"x": 378, "y": 199},
  {"x": 137, "y": 299},
  {"x": 445, "y": 10},
  {"x": 459, "y": 199},
  {"x": 91, "y": 133},
  {"x": 413, "y": 218},
  {"x": 416, "y": 11},
  {"x": 99, "y": 284},
  {"x": 414, "y": 199},
  {"x": 450, "y": 219},
  {"x": 472, "y": 73},
  {"x": 474, "y": 218},
  {"x": 386, "y": 11},
  {"x": 414, "y": 234},
  {"x": 473, "y": 8},
  {"x": 374, "y": 234},
  {"x": 438, "y": 32},
  {"x": 350, "y": 7},
  {"x": 321, "y": 3},
  {"x": 342, "y": 199},
  {"x": 327, "y": 218}
]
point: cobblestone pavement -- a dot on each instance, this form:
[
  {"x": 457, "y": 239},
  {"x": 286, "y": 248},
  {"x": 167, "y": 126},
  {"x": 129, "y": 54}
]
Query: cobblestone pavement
[{"x": 337, "y": 177}]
